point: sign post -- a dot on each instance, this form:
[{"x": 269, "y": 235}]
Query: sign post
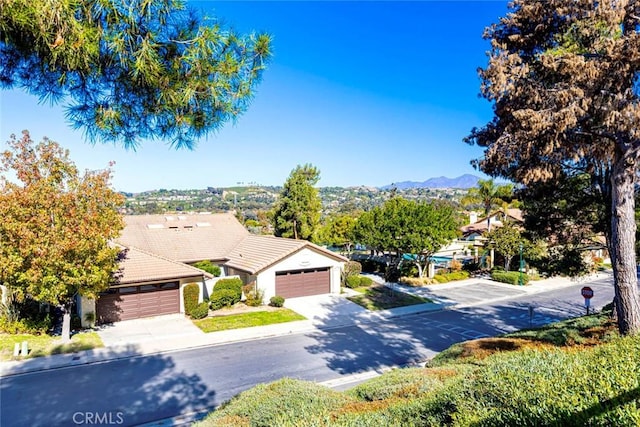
[{"x": 587, "y": 294}]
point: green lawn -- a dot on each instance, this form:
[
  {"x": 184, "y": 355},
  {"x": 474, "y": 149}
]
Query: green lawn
[
  {"x": 379, "y": 297},
  {"x": 247, "y": 320},
  {"x": 46, "y": 345}
]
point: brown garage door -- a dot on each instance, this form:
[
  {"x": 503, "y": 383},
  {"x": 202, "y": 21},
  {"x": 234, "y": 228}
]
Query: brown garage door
[
  {"x": 302, "y": 283},
  {"x": 134, "y": 302}
]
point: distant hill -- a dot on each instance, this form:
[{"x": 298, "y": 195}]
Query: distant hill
[{"x": 463, "y": 181}]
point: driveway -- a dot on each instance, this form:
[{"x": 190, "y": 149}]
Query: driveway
[
  {"x": 148, "y": 329},
  {"x": 326, "y": 310}
]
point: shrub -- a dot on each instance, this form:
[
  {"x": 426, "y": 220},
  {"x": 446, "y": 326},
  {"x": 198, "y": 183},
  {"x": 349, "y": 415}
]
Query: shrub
[
  {"x": 352, "y": 268},
  {"x": 450, "y": 277},
  {"x": 26, "y": 326},
  {"x": 415, "y": 281},
  {"x": 366, "y": 281},
  {"x": 455, "y": 265},
  {"x": 358, "y": 281},
  {"x": 200, "y": 311},
  {"x": 286, "y": 402},
  {"x": 209, "y": 267},
  {"x": 223, "y": 298},
  {"x": 511, "y": 277},
  {"x": 254, "y": 296},
  {"x": 234, "y": 284},
  {"x": 373, "y": 266},
  {"x": 352, "y": 282},
  {"x": 276, "y": 301},
  {"x": 190, "y": 294}
]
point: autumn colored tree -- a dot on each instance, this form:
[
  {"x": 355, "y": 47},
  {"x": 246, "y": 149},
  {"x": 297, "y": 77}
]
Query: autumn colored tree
[
  {"x": 562, "y": 76},
  {"x": 131, "y": 69},
  {"x": 56, "y": 224},
  {"x": 296, "y": 213}
]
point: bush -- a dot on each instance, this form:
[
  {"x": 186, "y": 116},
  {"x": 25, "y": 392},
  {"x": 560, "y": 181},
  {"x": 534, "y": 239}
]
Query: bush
[
  {"x": 352, "y": 268},
  {"x": 200, "y": 311},
  {"x": 450, "y": 277},
  {"x": 455, "y": 265},
  {"x": 253, "y": 294},
  {"x": 358, "y": 281},
  {"x": 190, "y": 294},
  {"x": 511, "y": 277},
  {"x": 276, "y": 301},
  {"x": 209, "y": 267},
  {"x": 415, "y": 281},
  {"x": 373, "y": 266},
  {"x": 234, "y": 284},
  {"x": 223, "y": 298},
  {"x": 26, "y": 326}
]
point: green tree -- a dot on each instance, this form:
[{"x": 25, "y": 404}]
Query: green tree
[
  {"x": 400, "y": 226},
  {"x": 506, "y": 240},
  {"x": 133, "y": 69},
  {"x": 489, "y": 195},
  {"x": 563, "y": 79},
  {"x": 297, "y": 211},
  {"x": 568, "y": 212},
  {"x": 337, "y": 230},
  {"x": 56, "y": 225}
]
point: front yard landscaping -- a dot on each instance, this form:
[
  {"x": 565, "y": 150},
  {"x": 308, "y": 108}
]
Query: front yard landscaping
[
  {"x": 380, "y": 297},
  {"x": 247, "y": 320},
  {"x": 46, "y": 345}
]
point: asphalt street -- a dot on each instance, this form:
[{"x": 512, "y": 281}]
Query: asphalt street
[{"x": 144, "y": 389}]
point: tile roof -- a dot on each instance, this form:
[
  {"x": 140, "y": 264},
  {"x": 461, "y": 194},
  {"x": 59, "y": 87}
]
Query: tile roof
[
  {"x": 185, "y": 238},
  {"x": 256, "y": 253},
  {"x": 138, "y": 266},
  {"x": 480, "y": 226},
  {"x": 217, "y": 237}
]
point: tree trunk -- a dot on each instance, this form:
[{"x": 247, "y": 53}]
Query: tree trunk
[
  {"x": 623, "y": 231},
  {"x": 507, "y": 262},
  {"x": 66, "y": 324}
]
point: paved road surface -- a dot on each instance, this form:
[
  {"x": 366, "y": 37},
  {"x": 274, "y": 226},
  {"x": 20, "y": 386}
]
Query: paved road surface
[{"x": 145, "y": 389}]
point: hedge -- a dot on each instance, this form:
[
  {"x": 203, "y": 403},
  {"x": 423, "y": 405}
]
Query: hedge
[
  {"x": 357, "y": 281},
  {"x": 450, "y": 277},
  {"x": 191, "y": 295},
  {"x": 511, "y": 277}
]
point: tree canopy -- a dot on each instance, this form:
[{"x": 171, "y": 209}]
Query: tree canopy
[
  {"x": 337, "y": 230},
  {"x": 56, "y": 224},
  {"x": 562, "y": 76},
  {"x": 489, "y": 195},
  {"x": 296, "y": 213},
  {"x": 402, "y": 226},
  {"x": 130, "y": 70}
]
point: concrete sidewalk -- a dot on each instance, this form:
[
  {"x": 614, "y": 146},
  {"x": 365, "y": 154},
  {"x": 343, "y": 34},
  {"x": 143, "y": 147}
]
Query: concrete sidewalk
[{"x": 333, "y": 311}]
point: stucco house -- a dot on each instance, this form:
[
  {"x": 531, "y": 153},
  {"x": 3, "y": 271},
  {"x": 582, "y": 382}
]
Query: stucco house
[{"x": 160, "y": 249}]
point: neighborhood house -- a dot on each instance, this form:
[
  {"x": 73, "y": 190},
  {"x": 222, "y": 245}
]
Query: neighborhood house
[{"x": 158, "y": 250}]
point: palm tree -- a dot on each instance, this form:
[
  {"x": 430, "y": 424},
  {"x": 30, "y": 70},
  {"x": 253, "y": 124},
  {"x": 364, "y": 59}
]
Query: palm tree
[{"x": 488, "y": 194}]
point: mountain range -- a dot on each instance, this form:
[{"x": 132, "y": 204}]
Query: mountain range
[{"x": 463, "y": 181}]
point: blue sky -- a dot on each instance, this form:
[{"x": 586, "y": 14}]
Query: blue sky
[{"x": 369, "y": 92}]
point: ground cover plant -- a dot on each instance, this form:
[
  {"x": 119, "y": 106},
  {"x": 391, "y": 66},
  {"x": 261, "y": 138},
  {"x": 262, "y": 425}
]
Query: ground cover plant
[
  {"x": 380, "y": 297},
  {"x": 572, "y": 373}
]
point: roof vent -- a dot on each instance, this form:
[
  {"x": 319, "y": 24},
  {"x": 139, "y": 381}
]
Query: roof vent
[
  {"x": 203, "y": 224},
  {"x": 169, "y": 218}
]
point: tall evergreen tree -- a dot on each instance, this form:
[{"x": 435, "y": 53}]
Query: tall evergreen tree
[
  {"x": 130, "y": 69},
  {"x": 297, "y": 210},
  {"x": 563, "y": 75}
]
